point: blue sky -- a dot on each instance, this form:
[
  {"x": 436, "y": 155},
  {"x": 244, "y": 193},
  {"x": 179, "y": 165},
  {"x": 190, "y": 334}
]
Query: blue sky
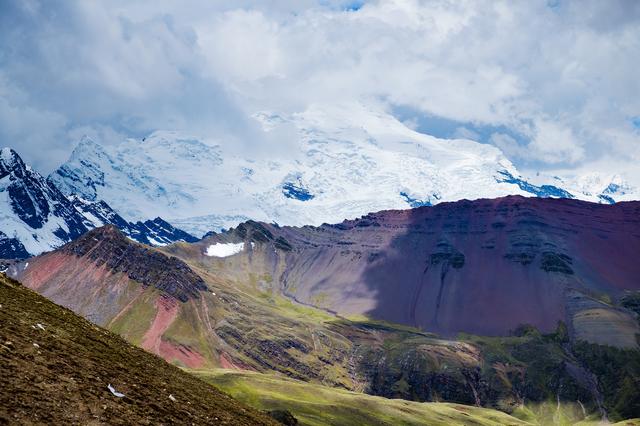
[{"x": 552, "y": 84}]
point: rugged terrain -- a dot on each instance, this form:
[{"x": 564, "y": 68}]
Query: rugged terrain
[
  {"x": 344, "y": 161},
  {"x": 57, "y": 369},
  {"x": 36, "y": 217},
  {"x": 483, "y": 267},
  {"x": 197, "y": 309}
]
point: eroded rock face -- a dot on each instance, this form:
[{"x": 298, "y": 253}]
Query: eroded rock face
[
  {"x": 101, "y": 262},
  {"x": 483, "y": 266},
  {"x": 108, "y": 246}
]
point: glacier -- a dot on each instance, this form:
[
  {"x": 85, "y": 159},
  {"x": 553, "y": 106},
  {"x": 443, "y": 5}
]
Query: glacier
[{"x": 349, "y": 160}]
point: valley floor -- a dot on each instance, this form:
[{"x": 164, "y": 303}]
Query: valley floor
[{"x": 317, "y": 405}]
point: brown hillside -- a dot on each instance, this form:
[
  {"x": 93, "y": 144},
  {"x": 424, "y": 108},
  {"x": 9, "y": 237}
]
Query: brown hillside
[{"x": 56, "y": 368}]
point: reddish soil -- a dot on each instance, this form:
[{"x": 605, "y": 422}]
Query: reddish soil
[
  {"x": 180, "y": 353},
  {"x": 167, "y": 311},
  {"x": 90, "y": 290},
  {"x": 47, "y": 266}
]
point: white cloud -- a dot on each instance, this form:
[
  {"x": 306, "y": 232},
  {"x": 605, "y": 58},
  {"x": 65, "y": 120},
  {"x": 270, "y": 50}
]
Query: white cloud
[
  {"x": 563, "y": 77},
  {"x": 241, "y": 46},
  {"x": 555, "y": 143},
  {"x": 509, "y": 145},
  {"x": 465, "y": 133}
]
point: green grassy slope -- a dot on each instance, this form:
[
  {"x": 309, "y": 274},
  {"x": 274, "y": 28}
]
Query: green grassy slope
[
  {"x": 317, "y": 405},
  {"x": 244, "y": 321},
  {"x": 56, "y": 366}
]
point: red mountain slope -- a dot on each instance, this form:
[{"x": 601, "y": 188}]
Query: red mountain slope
[{"x": 482, "y": 266}]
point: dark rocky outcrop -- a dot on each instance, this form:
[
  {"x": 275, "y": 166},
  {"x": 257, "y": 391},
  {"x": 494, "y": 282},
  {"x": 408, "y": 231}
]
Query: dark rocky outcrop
[{"x": 108, "y": 246}]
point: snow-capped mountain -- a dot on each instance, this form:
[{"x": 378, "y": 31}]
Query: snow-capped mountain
[
  {"x": 350, "y": 160},
  {"x": 595, "y": 186},
  {"x": 36, "y": 217}
]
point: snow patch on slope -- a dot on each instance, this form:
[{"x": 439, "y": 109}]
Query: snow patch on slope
[
  {"x": 6, "y": 155},
  {"x": 224, "y": 249}
]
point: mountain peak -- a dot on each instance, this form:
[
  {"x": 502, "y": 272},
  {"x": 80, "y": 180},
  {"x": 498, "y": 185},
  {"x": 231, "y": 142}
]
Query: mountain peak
[
  {"x": 104, "y": 232},
  {"x": 110, "y": 247},
  {"x": 85, "y": 146},
  {"x": 6, "y": 154},
  {"x": 9, "y": 160}
]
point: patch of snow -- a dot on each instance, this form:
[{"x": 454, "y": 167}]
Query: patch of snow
[
  {"x": 171, "y": 397},
  {"x": 40, "y": 326},
  {"x": 155, "y": 242},
  {"x": 224, "y": 250},
  {"x": 95, "y": 221},
  {"x": 36, "y": 345},
  {"x": 6, "y": 156},
  {"x": 114, "y": 392},
  {"x": 26, "y": 265}
]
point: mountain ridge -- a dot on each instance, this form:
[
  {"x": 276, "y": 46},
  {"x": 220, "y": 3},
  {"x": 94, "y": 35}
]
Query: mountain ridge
[
  {"x": 36, "y": 217},
  {"x": 540, "y": 256},
  {"x": 247, "y": 317},
  {"x": 347, "y": 161}
]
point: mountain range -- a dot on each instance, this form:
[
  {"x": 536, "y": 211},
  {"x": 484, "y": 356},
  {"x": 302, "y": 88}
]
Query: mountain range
[
  {"x": 373, "y": 259},
  {"x": 35, "y": 216},
  {"x": 507, "y": 303},
  {"x": 344, "y": 166},
  {"x": 349, "y": 160}
]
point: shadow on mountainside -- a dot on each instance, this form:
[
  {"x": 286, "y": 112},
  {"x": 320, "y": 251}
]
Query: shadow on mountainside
[{"x": 488, "y": 266}]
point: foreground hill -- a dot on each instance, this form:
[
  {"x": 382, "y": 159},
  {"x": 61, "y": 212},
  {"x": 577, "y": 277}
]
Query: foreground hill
[{"x": 56, "y": 369}]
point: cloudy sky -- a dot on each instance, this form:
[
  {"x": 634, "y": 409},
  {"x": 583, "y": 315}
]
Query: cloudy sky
[{"x": 555, "y": 84}]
